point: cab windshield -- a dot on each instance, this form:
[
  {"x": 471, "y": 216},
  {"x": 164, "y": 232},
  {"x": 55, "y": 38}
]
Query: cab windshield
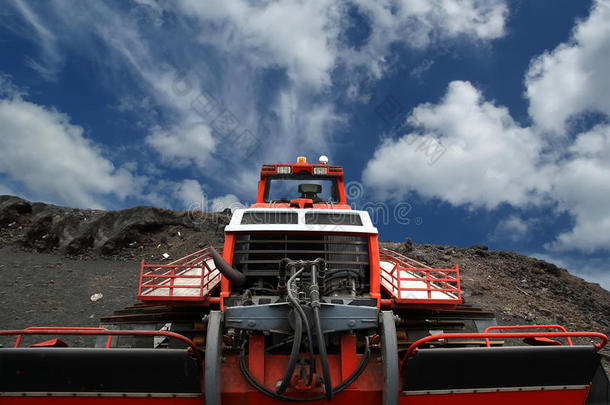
[{"x": 289, "y": 187}]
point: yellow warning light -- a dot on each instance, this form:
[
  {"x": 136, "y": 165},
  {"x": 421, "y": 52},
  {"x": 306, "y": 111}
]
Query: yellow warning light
[{"x": 301, "y": 159}]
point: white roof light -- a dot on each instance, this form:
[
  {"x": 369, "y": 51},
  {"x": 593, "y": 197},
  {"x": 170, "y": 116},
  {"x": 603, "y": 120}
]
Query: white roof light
[{"x": 323, "y": 159}]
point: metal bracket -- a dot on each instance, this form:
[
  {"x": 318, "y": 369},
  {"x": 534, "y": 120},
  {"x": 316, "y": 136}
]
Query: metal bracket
[{"x": 274, "y": 317}]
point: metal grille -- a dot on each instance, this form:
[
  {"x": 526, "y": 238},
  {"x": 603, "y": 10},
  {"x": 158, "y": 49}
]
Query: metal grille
[{"x": 259, "y": 254}]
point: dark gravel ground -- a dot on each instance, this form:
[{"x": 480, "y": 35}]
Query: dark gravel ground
[{"x": 41, "y": 289}]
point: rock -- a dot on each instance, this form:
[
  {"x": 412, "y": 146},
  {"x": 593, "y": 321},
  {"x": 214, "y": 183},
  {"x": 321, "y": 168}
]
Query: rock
[
  {"x": 408, "y": 245},
  {"x": 479, "y": 247},
  {"x": 481, "y": 253},
  {"x": 96, "y": 297}
]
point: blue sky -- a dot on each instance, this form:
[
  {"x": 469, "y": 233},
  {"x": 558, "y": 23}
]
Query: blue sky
[{"x": 461, "y": 121}]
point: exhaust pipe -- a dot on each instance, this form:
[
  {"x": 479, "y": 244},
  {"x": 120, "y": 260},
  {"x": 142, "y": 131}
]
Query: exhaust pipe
[{"x": 234, "y": 276}]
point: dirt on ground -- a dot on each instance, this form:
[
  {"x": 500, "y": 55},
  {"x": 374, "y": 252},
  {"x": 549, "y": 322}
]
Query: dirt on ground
[{"x": 54, "y": 259}]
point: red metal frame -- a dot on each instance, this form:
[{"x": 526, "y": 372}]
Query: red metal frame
[
  {"x": 437, "y": 280},
  {"x": 162, "y": 276},
  {"x": 270, "y": 170},
  {"x": 101, "y": 332}
]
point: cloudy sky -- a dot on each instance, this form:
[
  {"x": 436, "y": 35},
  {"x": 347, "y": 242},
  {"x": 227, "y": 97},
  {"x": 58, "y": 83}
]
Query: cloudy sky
[{"x": 467, "y": 121}]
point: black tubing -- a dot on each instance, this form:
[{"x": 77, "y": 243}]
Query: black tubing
[
  {"x": 234, "y": 276},
  {"x": 294, "y": 356},
  {"x": 328, "y": 390},
  {"x": 295, "y": 302},
  {"x": 346, "y": 383}
]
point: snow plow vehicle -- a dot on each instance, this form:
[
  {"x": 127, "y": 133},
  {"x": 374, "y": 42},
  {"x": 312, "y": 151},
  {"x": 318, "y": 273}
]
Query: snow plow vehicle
[{"x": 300, "y": 304}]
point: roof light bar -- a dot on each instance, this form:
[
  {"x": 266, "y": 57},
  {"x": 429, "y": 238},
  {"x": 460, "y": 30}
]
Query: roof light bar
[
  {"x": 284, "y": 169},
  {"x": 320, "y": 170}
]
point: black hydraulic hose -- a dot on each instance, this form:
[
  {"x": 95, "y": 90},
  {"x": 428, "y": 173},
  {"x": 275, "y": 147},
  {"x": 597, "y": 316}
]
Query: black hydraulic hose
[
  {"x": 233, "y": 275},
  {"x": 328, "y": 392},
  {"x": 297, "y": 306},
  {"x": 346, "y": 383},
  {"x": 314, "y": 295},
  {"x": 294, "y": 357}
]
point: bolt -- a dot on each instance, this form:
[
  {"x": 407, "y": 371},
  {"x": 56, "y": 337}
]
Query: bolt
[
  {"x": 351, "y": 323},
  {"x": 251, "y": 323}
]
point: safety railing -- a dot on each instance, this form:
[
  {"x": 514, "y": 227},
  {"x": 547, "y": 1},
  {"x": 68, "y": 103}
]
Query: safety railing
[
  {"x": 411, "y": 282},
  {"x": 43, "y": 328},
  {"x": 191, "y": 278},
  {"x": 558, "y": 327},
  {"x": 58, "y": 331},
  {"x": 505, "y": 335}
]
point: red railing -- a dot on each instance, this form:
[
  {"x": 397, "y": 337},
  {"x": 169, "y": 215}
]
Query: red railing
[
  {"x": 192, "y": 348},
  {"x": 408, "y": 278},
  {"x": 506, "y": 335},
  {"x": 559, "y": 327},
  {"x": 42, "y": 328},
  {"x": 163, "y": 282}
]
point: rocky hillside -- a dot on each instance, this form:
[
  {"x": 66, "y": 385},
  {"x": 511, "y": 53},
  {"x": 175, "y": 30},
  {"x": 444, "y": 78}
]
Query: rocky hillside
[
  {"x": 518, "y": 288},
  {"x": 141, "y": 232}
]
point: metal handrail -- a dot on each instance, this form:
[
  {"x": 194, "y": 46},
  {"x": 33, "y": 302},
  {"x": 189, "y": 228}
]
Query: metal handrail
[
  {"x": 414, "y": 347},
  {"x": 561, "y": 328},
  {"x": 103, "y": 332},
  {"x": 436, "y": 280},
  {"x": 35, "y": 328},
  {"x": 168, "y": 271}
]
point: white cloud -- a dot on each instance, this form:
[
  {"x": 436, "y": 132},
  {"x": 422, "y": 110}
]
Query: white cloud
[
  {"x": 465, "y": 150},
  {"x": 423, "y": 23},
  {"x": 513, "y": 228},
  {"x": 481, "y": 157},
  {"x": 573, "y": 78},
  {"x": 51, "y": 58},
  {"x": 42, "y": 150},
  {"x": 292, "y": 34},
  {"x": 183, "y": 145},
  {"x": 190, "y": 193},
  {"x": 307, "y": 38},
  {"x": 226, "y": 201},
  {"x": 582, "y": 187}
]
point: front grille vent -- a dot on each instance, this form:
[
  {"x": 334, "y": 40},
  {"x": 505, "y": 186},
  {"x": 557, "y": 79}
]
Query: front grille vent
[{"x": 259, "y": 254}]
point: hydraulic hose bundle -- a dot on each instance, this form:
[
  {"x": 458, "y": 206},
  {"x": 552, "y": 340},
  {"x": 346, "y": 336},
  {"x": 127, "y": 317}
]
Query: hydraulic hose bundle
[{"x": 300, "y": 321}]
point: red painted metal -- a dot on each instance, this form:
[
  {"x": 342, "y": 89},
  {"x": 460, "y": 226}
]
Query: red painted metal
[
  {"x": 559, "y": 327},
  {"x": 550, "y": 397},
  {"x": 236, "y": 390},
  {"x": 154, "y": 277},
  {"x": 348, "y": 357},
  {"x": 270, "y": 170},
  {"x": 256, "y": 357},
  {"x": 102, "y": 332},
  {"x": 50, "y": 343},
  {"x": 227, "y": 254},
  {"x": 374, "y": 269},
  {"x": 436, "y": 280}
]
